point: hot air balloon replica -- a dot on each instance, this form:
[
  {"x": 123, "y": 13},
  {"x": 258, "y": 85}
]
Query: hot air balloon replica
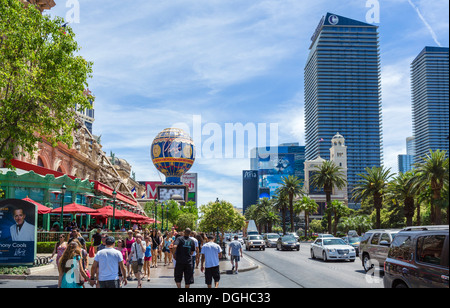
[{"x": 173, "y": 154}]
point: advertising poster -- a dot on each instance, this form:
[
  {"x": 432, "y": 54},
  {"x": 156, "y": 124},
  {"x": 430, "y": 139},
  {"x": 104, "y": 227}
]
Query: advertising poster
[
  {"x": 18, "y": 221},
  {"x": 150, "y": 189}
]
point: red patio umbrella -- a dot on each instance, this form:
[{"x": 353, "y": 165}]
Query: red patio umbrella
[
  {"x": 108, "y": 211},
  {"x": 42, "y": 209},
  {"x": 74, "y": 208}
]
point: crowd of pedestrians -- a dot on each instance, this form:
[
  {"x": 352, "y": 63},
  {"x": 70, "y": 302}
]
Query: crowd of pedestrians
[{"x": 117, "y": 261}]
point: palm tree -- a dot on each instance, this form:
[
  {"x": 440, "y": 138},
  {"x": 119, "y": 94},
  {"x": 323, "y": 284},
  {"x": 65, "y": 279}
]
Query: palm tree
[
  {"x": 291, "y": 186},
  {"x": 265, "y": 214},
  {"x": 433, "y": 173},
  {"x": 281, "y": 203},
  {"x": 329, "y": 175},
  {"x": 404, "y": 189},
  {"x": 339, "y": 209},
  {"x": 307, "y": 205},
  {"x": 373, "y": 184}
]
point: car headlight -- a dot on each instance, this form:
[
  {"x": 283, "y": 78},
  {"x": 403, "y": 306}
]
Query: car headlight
[
  {"x": 284, "y": 243},
  {"x": 332, "y": 250}
]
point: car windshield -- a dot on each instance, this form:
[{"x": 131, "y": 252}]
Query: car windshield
[
  {"x": 288, "y": 238},
  {"x": 272, "y": 236},
  {"x": 254, "y": 237},
  {"x": 334, "y": 241},
  {"x": 353, "y": 240}
]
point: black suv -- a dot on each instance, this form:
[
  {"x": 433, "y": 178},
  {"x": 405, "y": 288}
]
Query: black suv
[{"x": 418, "y": 258}]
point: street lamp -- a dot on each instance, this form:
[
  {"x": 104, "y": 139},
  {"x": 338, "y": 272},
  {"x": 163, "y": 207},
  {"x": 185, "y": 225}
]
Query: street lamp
[
  {"x": 162, "y": 216},
  {"x": 63, "y": 192},
  {"x": 114, "y": 194},
  {"x": 156, "y": 203}
]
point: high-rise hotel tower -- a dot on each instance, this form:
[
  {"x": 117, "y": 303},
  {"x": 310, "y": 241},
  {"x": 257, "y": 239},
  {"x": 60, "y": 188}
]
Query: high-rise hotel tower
[
  {"x": 429, "y": 82},
  {"x": 343, "y": 93}
]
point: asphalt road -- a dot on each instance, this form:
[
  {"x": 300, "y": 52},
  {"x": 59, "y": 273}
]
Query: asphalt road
[
  {"x": 276, "y": 269},
  {"x": 297, "y": 269}
]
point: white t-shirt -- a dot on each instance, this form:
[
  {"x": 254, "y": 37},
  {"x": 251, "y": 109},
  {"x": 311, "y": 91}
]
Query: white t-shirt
[
  {"x": 136, "y": 248},
  {"x": 108, "y": 264}
]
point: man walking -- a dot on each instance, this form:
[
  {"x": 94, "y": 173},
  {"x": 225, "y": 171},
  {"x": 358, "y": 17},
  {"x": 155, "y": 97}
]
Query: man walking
[
  {"x": 184, "y": 247},
  {"x": 136, "y": 257},
  {"x": 107, "y": 263},
  {"x": 235, "y": 252},
  {"x": 211, "y": 252}
]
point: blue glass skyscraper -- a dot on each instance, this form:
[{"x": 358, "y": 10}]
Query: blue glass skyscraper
[
  {"x": 429, "y": 82},
  {"x": 342, "y": 93}
]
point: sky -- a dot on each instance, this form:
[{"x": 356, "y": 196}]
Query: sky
[{"x": 204, "y": 65}]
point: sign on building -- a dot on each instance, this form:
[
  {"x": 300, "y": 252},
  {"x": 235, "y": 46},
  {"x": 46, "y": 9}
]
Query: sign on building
[{"x": 18, "y": 220}]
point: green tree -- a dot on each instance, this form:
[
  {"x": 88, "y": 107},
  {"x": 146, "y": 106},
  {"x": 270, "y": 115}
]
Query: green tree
[
  {"x": 328, "y": 175},
  {"x": 373, "y": 184},
  {"x": 292, "y": 187},
  {"x": 42, "y": 80},
  {"x": 404, "y": 190},
  {"x": 338, "y": 208},
  {"x": 220, "y": 215},
  {"x": 433, "y": 172},
  {"x": 309, "y": 206},
  {"x": 281, "y": 203},
  {"x": 186, "y": 220}
]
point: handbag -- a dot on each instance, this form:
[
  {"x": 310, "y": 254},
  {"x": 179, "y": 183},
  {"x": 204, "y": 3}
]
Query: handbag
[{"x": 91, "y": 252}]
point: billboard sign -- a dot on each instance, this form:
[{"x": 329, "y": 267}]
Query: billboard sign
[
  {"x": 190, "y": 179},
  {"x": 18, "y": 220},
  {"x": 151, "y": 189},
  {"x": 166, "y": 192}
]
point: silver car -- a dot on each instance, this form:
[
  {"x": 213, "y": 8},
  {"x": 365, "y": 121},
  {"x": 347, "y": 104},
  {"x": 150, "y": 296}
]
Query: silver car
[
  {"x": 271, "y": 239},
  {"x": 374, "y": 247}
]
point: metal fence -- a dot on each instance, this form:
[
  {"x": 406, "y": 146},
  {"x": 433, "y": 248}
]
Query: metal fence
[{"x": 43, "y": 236}]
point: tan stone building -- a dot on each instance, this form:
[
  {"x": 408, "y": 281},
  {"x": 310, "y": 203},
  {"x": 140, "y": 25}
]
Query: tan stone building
[
  {"x": 338, "y": 154},
  {"x": 41, "y": 4}
]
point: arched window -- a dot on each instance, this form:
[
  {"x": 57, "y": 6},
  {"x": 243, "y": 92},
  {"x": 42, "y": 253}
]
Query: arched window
[
  {"x": 60, "y": 170},
  {"x": 40, "y": 163}
]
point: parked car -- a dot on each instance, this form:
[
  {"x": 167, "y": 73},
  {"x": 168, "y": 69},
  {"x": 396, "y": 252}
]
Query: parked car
[
  {"x": 374, "y": 247},
  {"x": 288, "y": 242},
  {"x": 255, "y": 241},
  {"x": 241, "y": 240},
  {"x": 332, "y": 248},
  {"x": 321, "y": 235},
  {"x": 418, "y": 258},
  {"x": 353, "y": 241},
  {"x": 271, "y": 239}
]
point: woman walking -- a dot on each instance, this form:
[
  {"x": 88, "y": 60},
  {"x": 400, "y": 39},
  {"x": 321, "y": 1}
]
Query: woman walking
[
  {"x": 167, "y": 254},
  {"x": 60, "y": 247},
  {"x": 147, "y": 257},
  {"x": 71, "y": 271},
  {"x": 156, "y": 242},
  {"x": 121, "y": 246},
  {"x": 129, "y": 242}
]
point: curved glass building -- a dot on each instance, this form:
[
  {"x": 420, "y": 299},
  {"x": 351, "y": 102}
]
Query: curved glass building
[{"x": 343, "y": 93}]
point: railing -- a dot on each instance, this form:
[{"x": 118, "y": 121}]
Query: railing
[{"x": 44, "y": 236}]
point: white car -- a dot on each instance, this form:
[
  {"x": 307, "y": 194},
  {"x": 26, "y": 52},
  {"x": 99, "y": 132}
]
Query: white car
[{"x": 332, "y": 248}]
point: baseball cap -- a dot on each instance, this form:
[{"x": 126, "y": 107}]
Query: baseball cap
[{"x": 110, "y": 240}]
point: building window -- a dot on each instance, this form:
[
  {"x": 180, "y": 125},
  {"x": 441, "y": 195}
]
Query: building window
[{"x": 40, "y": 163}]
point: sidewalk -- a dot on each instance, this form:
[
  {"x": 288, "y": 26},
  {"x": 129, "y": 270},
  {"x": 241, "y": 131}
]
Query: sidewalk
[{"x": 50, "y": 272}]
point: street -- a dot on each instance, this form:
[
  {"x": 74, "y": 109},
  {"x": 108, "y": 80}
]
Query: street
[
  {"x": 276, "y": 269},
  {"x": 296, "y": 269}
]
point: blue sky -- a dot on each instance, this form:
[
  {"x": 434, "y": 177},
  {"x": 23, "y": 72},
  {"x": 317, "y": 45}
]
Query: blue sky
[{"x": 158, "y": 63}]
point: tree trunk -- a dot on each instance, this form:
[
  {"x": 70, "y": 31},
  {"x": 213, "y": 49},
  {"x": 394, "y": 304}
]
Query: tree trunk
[
  {"x": 328, "y": 196},
  {"x": 378, "y": 204},
  {"x": 291, "y": 210}
]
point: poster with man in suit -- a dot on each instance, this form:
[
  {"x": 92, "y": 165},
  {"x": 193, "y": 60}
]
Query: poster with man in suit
[{"x": 18, "y": 219}]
